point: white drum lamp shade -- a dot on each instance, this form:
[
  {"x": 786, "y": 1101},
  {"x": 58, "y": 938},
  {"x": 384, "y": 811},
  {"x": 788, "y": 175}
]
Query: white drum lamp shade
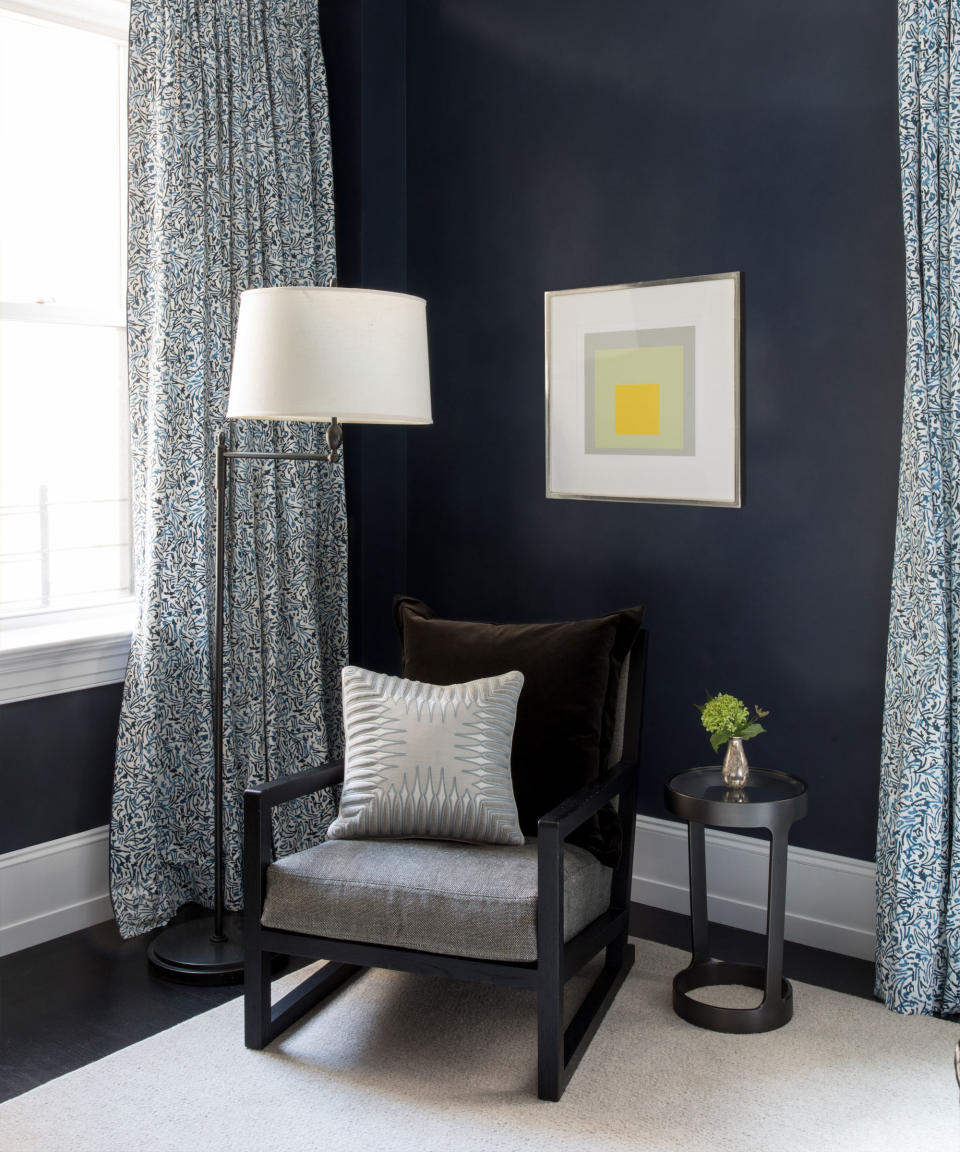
[{"x": 321, "y": 353}]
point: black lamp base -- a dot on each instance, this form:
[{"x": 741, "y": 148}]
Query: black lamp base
[{"x": 187, "y": 953}]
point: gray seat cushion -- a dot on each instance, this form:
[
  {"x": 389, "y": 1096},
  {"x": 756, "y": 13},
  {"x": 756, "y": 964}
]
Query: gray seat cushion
[{"x": 475, "y": 900}]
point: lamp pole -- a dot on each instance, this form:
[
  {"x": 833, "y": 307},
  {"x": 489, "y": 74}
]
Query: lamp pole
[{"x": 220, "y": 489}]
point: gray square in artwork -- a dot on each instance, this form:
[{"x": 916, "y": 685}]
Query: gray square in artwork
[{"x": 640, "y": 392}]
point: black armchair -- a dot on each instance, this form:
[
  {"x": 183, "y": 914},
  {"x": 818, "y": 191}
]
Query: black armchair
[{"x": 556, "y": 880}]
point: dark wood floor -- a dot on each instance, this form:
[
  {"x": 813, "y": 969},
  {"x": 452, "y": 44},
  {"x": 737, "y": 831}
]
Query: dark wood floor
[
  {"x": 809, "y": 965},
  {"x": 71, "y": 1001}
]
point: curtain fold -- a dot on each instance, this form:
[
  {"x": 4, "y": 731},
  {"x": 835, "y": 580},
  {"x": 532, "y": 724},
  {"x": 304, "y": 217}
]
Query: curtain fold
[
  {"x": 230, "y": 187},
  {"x": 918, "y": 844}
]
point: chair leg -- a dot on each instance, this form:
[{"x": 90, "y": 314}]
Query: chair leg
[
  {"x": 265, "y": 1021},
  {"x": 560, "y": 1051},
  {"x": 619, "y": 952},
  {"x": 256, "y": 997},
  {"x": 550, "y": 1078},
  {"x": 550, "y": 974}
]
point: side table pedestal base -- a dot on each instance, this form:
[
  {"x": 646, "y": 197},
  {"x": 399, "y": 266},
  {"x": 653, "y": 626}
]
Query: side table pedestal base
[{"x": 772, "y": 1013}]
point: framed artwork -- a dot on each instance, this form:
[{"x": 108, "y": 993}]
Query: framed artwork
[{"x": 643, "y": 392}]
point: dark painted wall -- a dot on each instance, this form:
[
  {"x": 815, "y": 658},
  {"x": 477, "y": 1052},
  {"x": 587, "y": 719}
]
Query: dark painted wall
[
  {"x": 364, "y": 48},
  {"x": 517, "y": 146},
  {"x": 56, "y": 765},
  {"x": 559, "y": 145}
]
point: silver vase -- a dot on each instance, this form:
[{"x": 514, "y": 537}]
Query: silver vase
[{"x": 735, "y": 767}]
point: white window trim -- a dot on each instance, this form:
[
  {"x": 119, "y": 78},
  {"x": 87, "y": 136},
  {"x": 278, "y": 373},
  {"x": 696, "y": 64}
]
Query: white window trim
[
  {"x": 57, "y": 652},
  {"x": 45, "y": 654},
  {"x": 61, "y": 314},
  {"x": 108, "y": 17}
]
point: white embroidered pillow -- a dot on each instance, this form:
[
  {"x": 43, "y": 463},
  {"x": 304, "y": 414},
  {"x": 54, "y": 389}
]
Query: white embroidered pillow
[{"x": 428, "y": 761}]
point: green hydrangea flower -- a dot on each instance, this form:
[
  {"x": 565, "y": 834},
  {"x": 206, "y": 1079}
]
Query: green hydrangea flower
[
  {"x": 724, "y": 716},
  {"x": 724, "y": 713}
]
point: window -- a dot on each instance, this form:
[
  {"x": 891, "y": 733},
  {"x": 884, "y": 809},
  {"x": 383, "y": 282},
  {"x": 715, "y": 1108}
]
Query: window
[{"x": 65, "y": 530}]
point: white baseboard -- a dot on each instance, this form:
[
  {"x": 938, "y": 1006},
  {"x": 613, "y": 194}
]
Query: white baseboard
[
  {"x": 831, "y": 900},
  {"x": 51, "y": 889}
]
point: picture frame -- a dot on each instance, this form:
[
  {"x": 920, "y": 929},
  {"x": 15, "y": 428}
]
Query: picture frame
[{"x": 643, "y": 392}]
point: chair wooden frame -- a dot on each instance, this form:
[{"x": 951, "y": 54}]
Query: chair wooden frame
[{"x": 559, "y": 1049}]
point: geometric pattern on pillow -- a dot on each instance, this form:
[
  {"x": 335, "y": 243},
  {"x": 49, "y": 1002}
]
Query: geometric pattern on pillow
[{"x": 428, "y": 761}]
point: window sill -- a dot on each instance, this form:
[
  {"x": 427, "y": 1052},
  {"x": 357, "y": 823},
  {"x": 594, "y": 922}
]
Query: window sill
[{"x": 65, "y": 654}]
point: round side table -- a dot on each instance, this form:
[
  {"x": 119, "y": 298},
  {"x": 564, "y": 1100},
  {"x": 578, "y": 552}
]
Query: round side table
[{"x": 771, "y": 800}]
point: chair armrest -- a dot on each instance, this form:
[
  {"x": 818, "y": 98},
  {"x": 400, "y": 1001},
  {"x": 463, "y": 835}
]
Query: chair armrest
[
  {"x": 258, "y": 802},
  {"x": 273, "y": 792},
  {"x": 579, "y": 807},
  {"x": 552, "y": 829}
]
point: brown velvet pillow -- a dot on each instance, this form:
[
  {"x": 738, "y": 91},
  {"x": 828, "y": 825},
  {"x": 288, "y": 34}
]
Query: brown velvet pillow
[{"x": 567, "y": 709}]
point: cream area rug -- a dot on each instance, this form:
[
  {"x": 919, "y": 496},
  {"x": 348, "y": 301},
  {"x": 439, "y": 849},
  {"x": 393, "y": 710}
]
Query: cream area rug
[{"x": 419, "y": 1064}]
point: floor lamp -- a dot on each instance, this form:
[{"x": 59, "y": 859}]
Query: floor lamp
[{"x": 341, "y": 355}]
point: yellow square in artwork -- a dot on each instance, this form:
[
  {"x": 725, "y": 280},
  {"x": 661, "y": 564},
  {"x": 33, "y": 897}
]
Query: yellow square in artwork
[{"x": 637, "y": 410}]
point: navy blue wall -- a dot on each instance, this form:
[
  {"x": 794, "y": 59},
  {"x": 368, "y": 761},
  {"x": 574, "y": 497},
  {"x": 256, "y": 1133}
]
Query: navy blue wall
[
  {"x": 558, "y": 145},
  {"x": 364, "y": 48},
  {"x": 56, "y": 765},
  {"x": 485, "y": 152}
]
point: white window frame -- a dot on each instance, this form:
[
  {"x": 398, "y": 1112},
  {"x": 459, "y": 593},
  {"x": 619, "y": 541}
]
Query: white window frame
[{"x": 44, "y": 653}]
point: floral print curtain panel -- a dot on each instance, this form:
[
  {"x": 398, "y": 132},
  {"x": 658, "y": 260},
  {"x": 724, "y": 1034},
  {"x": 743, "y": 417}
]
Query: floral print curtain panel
[
  {"x": 230, "y": 187},
  {"x": 918, "y": 847}
]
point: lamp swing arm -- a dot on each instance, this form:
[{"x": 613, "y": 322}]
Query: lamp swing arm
[{"x": 331, "y": 456}]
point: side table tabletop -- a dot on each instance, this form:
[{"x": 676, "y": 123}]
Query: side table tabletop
[{"x": 769, "y": 799}]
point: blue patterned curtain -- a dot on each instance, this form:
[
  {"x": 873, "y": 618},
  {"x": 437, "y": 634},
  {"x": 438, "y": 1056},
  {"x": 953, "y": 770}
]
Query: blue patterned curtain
[
  {"x": 230, "y": 188},
  {"x": 918, "y": 847}
]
